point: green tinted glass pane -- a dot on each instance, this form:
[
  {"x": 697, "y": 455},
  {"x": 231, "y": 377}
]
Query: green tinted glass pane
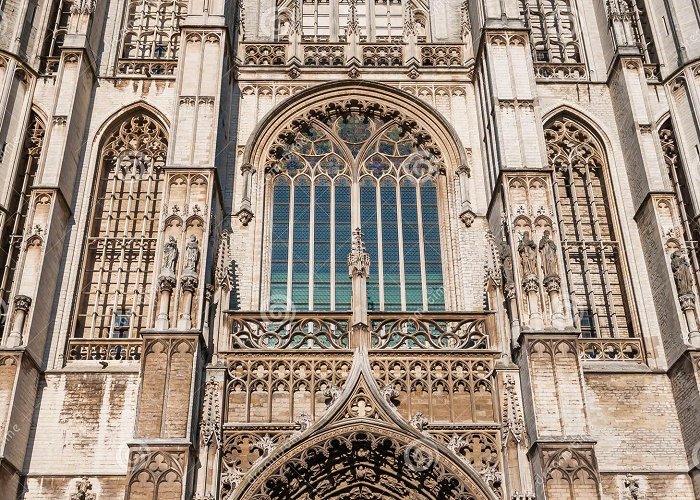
[
  {"x": 280, "y": 241},
  {"x": 322, "y": 246},
  {"x": 431, "y": 248},
  {"x": 411, "y": 246},
  {"x": 343, "y": 242}
]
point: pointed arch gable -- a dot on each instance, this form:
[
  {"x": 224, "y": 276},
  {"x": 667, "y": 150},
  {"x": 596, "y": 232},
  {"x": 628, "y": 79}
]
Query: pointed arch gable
[
  {"x": 414, "y": 464},
  {"x": 393, "y": 98}
]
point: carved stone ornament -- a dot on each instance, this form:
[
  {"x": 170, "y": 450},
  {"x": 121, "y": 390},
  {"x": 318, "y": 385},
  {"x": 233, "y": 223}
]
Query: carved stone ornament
[
  {"x": 189, "y": 283},
  {"x": 166, "y": 283},
  {"x": 527, "y": 249},
  {"x": 682, "y": 273},
  {"x": 83, "y": 489},
  {"x": 552, "y": 284},
  {"x": 513, "y": 423},
  {"x": 467, "y": 217},
  {"x": 191, "y": 255},
  {"x": 22, "y": 303},
  {"x": 85, "y": 7},
  {"x": 548, "y": 250},
  {"x": 531, "y": 283},
  {"x": 245, "y": 216},
  {"x": 358, "y": 260},
  {"x": 210, "y": 427},
  {"x": 632, "y": 486},
  {"x": 419, "y": 422},
  {"x": 170, "y": 253},
  {"x": 331, "y": 393}
]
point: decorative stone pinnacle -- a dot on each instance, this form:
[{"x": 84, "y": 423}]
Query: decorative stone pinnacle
[
  {"x": 358, "y": 260},
  {"x": 353, "y": 27}
]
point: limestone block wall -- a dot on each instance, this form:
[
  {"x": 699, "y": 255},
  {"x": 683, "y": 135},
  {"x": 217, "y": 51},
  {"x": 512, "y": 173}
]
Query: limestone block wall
[{"x": 83, "y": 421}]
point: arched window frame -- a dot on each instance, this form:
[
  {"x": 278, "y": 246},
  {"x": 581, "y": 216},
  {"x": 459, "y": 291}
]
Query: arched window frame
[
  {"x": 598, "y": 151},
  {"x": 354, "y": 176},
  {"x": 133, "y": 171}
]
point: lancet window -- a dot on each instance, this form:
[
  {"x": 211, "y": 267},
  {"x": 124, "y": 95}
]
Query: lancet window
[
  {"x": 679, "y": 182},
  {"x": 118, "y": 276},
  {"x": 554, "y": 30},
  {"x": 58, "y": 29},
  {"x": 355, "y": 168},
  {"x": 152, "y": 29},
  {"x": 593, "y": 252},
  {"x": 17, "y": 207}
]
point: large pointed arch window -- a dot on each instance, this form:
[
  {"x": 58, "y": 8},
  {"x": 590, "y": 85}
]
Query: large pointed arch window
[
  {"x": 118, "y": 277},
  {"x": 356, "y": 168},
  {"x": 592, "y": 249}
]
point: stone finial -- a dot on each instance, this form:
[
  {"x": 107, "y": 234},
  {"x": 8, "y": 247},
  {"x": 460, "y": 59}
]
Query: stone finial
[{"x": 358, "y": 260}]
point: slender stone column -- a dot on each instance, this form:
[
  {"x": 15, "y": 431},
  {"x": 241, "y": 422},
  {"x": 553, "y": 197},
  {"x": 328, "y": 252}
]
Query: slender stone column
[{"x": 22, "y": 304}]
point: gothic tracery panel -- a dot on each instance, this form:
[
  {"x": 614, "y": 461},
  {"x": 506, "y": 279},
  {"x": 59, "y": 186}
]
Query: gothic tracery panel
[
  {"x": 117, "y": 283},
  {"x": 593, "y": 253}
]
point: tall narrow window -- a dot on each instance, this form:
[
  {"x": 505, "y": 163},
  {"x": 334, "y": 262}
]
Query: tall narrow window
[
  {"x": 152, "y": 29},
  {"x": 117, "y": 282},
  {"x": 554, "y": 30},
  {"x": 58, "y": 28},
  {"x": 679, "y": 181},
  {"x": 355, "y": 167},
  {"x": 592, "y": 251},
  {"x": 16, "y": 215}
]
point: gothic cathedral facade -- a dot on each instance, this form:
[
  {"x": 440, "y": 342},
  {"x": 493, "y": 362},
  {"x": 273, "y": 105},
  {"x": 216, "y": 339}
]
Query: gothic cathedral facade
[{"x": 349, "y": 249}]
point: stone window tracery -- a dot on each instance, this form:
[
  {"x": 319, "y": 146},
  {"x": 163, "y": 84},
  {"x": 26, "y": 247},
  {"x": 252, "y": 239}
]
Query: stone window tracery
[
  {"x": 117, "y": 282},
  {"x": 17, "y": 208},
  {"x": 326, "y": 20},
  {"x": 554, "y": 30},
  {"x": 58, "y": 29},
  {"x": 347, "y": 169},
  {"x": 593, "y": 254},
  {"x": 152, "y": 29}
]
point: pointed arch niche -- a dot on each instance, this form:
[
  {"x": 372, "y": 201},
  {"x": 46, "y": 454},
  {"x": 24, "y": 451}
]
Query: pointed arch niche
[
  {"x": 116, "y": 287},
  {"x": 355, "y": 155},
  {"x": 592, "y": 246}
]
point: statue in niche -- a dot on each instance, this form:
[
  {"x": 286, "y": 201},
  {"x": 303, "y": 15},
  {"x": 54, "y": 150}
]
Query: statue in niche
[
  {"x": 191, "y": 255},
  {"x": 528, "y": 255},
  {"x": 548, "y": 249},
  {"x": 506, "y": 263},
  {"x": 170, "y": 252},
  {"x": 682, "y": 273}
]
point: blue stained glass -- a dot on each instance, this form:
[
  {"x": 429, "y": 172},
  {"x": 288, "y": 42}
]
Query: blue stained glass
[
  {"x": 368, "y": 216},
  {"x": 280, "y": 241},
  {"x": 322, "y": 245},
  {"x": 300, "y": 247},
  {"x": 293, "y": 165},
  {"x": 354, "y": 129},
  {"x": 332, "y": 165},
  {"x": 390, "y": 246},
  {"x": 378, "y": 165},
  {"x": 431, "y": 249},
  {"x": 411, "y": 250},
  {"x": 343, "y": 242}
]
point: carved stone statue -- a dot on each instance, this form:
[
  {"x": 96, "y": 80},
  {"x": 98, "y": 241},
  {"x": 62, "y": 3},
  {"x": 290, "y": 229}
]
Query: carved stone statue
[
  {"x": 548, "y": 249},
  {"x": 169, "y": 256},
  {"x": 506, "y": 263},
  {"x": 191, "y": 255},
  {"x": 682, "y": 273},
  {"x": 528, "y": 255}
]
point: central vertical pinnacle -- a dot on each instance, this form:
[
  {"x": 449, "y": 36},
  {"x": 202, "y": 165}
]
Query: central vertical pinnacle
[{"x": 358, "y": 269}]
